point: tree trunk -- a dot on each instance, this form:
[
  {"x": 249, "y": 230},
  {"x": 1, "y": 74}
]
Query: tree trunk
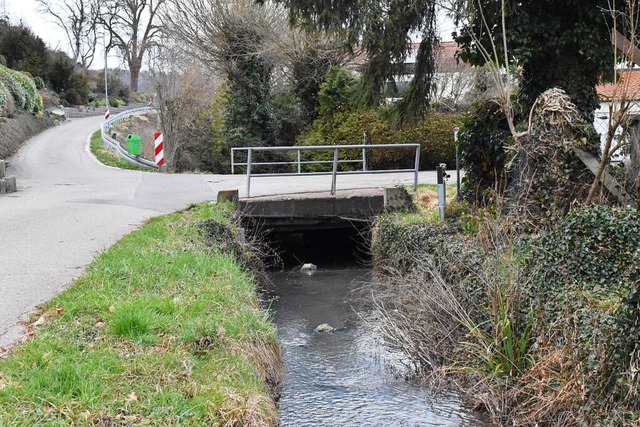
[{"x": 134, "y": 72}]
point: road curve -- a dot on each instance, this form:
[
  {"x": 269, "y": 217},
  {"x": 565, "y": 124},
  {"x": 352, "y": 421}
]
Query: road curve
[{"x": 69, "y": 208}]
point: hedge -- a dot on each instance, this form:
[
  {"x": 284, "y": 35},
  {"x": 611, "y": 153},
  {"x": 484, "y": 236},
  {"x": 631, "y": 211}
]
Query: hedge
[
  {"x": 586, "y": 274},
  {"x": 4, "y": 98},
  {"x": 22, "y": 88},
  {"x": 8, "y": 77},
  {"x": 434, "y": 133},
  {"x": 39, "y": 105},
  {"x": 29, "y": 88}
]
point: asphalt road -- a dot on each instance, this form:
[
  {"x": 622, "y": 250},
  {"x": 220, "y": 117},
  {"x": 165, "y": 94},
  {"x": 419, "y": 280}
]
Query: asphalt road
[{"x": 69, "y": 208}]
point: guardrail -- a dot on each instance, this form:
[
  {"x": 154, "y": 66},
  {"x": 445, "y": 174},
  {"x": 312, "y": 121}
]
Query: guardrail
[
  {"x": 298, "y": 162},
  {"x": 114, "y": 146}
]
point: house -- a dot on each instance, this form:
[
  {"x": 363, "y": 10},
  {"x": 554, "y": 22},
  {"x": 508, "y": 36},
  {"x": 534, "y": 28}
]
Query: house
[
  {"x": 452, "y": 82},
  {"x": 613, "y": 96}
]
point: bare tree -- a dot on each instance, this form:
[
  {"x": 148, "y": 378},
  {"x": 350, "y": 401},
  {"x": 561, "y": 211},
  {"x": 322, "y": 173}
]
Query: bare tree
[
  {"x": 78, "y": 19},
  {"x": 183, "y": 92},
  {"x": 133, "y": 28},
  {"x": 217, "y": 32}
]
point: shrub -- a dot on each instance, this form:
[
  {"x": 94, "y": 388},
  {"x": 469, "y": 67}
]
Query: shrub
[
  {"x": 72, "y": 85},
  {"x": 39, "y": 82},
  {"x": 586, "y": 274},
  {"x": 11, "y": 82},
  {"x": 483, "y": 157},
  {"x": 39, "y": 105},
  {"x": 434, "y": 133},
  {"x": 30, "y": 90},
  {"x": 23, "y": 50},
  {"x": 4, "y": 99}
]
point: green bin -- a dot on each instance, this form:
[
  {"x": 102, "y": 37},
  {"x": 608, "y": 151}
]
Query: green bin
[{"x": 134, "y": 144}]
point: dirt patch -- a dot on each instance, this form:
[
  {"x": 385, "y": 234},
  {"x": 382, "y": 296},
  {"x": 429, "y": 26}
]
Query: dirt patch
[
  {"x": 17, "y": 130},
  {"x": 427, "y": 199}
]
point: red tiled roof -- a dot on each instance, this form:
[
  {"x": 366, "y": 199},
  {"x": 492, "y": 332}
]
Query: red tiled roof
[
  {"x": 627, "y": 87},
  {"x": 445, "y": 56}
]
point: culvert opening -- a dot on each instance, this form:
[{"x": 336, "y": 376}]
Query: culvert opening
[{"x": 327, "y": 247}]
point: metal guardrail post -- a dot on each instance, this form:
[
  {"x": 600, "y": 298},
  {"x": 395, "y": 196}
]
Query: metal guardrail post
[
  {"x": 335, "y": 171},
  {"x": 416, "y": 168},
  {"x": 299, "y": 168},
  {"x": 249, "y": 159}
]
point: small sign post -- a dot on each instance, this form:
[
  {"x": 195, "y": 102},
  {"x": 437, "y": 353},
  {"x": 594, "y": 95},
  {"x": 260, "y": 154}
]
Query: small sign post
[{"x": 456, "y": 130}]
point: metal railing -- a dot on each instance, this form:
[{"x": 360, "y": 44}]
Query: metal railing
[
  {"x": 336, "y": 149},
  {"x": 114, "y": 146}
]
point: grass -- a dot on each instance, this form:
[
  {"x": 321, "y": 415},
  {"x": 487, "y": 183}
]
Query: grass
[
  {"x": 163, "y": 329},
  {"x": 426, "y": 200},
  {"x": 104, "y": 156}
]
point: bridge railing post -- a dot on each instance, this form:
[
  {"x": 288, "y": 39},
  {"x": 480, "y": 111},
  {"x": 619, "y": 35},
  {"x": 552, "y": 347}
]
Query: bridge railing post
[
  {"x": 299, "y": 168},
  {"x": 335, "y": 171},
  {"x": 416, "y": 169},
  {"x": 249, "y": 158},
  {"x": 233, "y": 163}
]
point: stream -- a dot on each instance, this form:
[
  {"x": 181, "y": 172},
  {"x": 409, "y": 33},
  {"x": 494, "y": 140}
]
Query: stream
[{"x": 346, "y": 377}]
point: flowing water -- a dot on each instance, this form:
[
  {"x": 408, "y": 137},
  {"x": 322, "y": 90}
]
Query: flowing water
[{"x": 346, "y": 377}]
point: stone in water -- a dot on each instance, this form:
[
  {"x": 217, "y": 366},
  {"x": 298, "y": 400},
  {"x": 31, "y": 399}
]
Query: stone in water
[
  {"x": 308, "y": 268},
  {"x": 325, "y": 327}
]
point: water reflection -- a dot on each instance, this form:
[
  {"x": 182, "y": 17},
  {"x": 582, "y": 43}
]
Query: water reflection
[{"x": 346, "y": 377}]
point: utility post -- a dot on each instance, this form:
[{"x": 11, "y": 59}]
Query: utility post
[
  {"x": 455, "y": 140},
  {"x": 106, "y": 88},
  {"x": 441, "y": 172}
]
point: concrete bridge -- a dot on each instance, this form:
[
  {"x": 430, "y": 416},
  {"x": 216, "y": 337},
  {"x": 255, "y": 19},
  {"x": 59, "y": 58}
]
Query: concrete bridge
[{"x": 320, "y": 210}]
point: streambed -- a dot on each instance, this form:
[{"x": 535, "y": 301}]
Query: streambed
[{"x": 346, "y": 377}]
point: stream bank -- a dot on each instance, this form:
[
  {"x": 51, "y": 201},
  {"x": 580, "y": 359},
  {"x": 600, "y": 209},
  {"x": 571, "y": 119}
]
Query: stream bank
[{"x": 347, "y": 376}]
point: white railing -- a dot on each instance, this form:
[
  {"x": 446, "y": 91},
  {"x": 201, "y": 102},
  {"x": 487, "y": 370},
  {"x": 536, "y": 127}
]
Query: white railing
[
  {"x": 114, "y": 146},
  {"x": 336, "y": 149}
]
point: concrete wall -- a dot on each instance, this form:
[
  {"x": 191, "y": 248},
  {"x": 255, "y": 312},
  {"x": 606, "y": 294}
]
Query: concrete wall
[{"x": 7, "y": 183}]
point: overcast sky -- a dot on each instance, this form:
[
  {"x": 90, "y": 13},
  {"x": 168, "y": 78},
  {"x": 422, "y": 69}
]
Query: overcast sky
[
  {"x": 43, "y": 26},
  {"x": 27, "y": 12}
]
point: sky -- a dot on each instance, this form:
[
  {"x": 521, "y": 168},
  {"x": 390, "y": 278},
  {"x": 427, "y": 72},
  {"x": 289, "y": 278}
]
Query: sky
[{"x": 43, "y": 26}]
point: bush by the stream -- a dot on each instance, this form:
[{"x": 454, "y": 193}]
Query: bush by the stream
[
  {"x": 585, "y": 274},
  {"x": 483, "y": 138}
]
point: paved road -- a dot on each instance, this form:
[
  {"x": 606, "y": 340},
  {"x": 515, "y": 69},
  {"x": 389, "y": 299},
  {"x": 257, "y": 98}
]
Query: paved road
[{"x": 69, "y": 208}]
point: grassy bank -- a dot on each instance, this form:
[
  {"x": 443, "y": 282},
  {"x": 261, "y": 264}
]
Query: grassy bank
[
  {"x": 106, "y": 157},
  {"x": 163, "y": 329}
]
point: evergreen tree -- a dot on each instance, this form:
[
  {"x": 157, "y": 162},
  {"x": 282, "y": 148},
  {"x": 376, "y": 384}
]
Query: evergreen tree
[
  {"x": 383, "y": 30},
  {"x": 557, "y": 43}
]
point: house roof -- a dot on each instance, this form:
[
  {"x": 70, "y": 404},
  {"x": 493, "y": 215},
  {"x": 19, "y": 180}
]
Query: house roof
[
  {"x": 445, "y": 57},
  {"x": 627, "y": 87}
]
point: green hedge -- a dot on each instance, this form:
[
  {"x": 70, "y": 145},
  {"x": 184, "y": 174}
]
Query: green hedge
[
  {"x": 8, "y": 77},
  {"x": 30, "y": 90},
  {"x": 39, "y": 105},
  {"x": 4, "y": 99},
  {"x": 22, "y": 88},
  {"x": 434, "y": 133},
  {"x": 585, "y": 274}
]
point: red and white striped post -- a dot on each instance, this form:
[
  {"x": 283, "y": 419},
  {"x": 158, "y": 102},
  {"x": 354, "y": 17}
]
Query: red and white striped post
[
  {"x": 106, "y": 113},
  {"x": 158, "y": 140}
]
